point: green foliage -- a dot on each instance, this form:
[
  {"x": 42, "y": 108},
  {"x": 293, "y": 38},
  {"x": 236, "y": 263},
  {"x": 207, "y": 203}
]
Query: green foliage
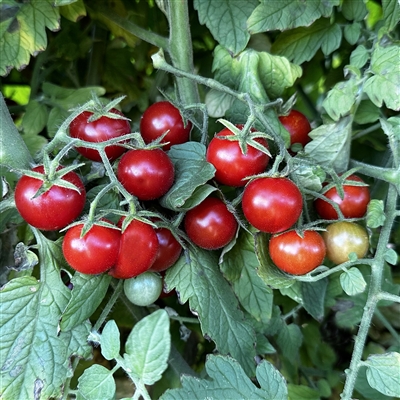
[{"x": 228, "y": 381}]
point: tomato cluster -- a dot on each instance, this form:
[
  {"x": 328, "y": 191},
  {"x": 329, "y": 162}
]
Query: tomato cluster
[{"x": 136, "y": 248}]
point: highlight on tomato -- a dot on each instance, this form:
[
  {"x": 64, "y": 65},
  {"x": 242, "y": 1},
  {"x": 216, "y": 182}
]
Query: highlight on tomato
[
  {"x": 99, "y": 130},
  {"x": 232, "y": 167},
  {"x": 297, "y": 253},
  {"x": 210, "y": 225},
  {"x": 272, "y": 205},
  {"x": 54, "y": 209},
  {"x": 353, "y": 205},
  {"x": 164, "y": 117},
  {"x": 95, "y": 252}
]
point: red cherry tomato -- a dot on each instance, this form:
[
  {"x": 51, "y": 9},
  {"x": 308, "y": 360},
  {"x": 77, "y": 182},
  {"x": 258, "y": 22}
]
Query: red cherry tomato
[
  {"x": 162, "y": 117},
  {"x": 210, "y": 224},
  {"x": 55, "y": 208},
  {"x": 295, "y": 254},
  {"x": 298, "y": 127},
  {"x": 138, "y": 250},
  {"x": 100, "y": 130},
  {"x": 231, "y": 165},
  {"x": 272, "y": 204},
  {"x": 94, "y": 253},
  {"x": 169, "y": 250},
  {"x": 147, "y": 174},
  {"x": 353, "y": 205}
]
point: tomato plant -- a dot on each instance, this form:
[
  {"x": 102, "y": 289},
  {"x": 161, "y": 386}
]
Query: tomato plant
[
  {"x": 53, "y": 209},
  {"x": 272, "y": 204},
  {"x": 138, "y": 250},
  {"x": 297, "y": 253},
  {"x": 144, "y": 289},
  {"x": 298, "y": 126},
  {"x": 353, "y": 205},
  {"x": 343, "y": 238},
  {"x": 164, "y": 117},
  {"x": 210, "y": 224},
  {"x": 95, "y": 252},
  {"x": 147, "y": 174},
  {"x": 99, "y": 130},
  {"x": 169, "y": 250},
  {"x": 232, "y": 166}
]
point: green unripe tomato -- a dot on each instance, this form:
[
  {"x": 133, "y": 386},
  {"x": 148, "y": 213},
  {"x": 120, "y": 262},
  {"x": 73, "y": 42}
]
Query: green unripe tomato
[
  {"x": 144, "y": 289},
  {"x": 342, "y": 238}
]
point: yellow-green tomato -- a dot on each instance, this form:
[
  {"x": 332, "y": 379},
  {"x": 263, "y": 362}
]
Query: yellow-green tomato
[
  {"x": 144, "y": 289},
  {"x": 342, "y": 238}
]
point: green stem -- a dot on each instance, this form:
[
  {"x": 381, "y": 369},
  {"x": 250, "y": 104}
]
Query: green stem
[
  {"x": 387, "y": 325},
  {"x": 110, "y": 304},
  {"x": 374, "y": 295},
  {"x": 181, "y": 50}
]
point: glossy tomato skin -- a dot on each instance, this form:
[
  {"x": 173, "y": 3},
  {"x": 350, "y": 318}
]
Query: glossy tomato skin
[
  {"x": 102, "y": 129},
  {"x": 94, "y": 253},
  {"x": 54, "y": 209},
  {"x": 353, "y": 205},
  {"x": 272, "y": 205},
  {"x": 147, "y": 174},
  {"x": 231, "y": 165},
  {"x": 143, "y": 289},
  {"x": 169, "y": 250},
  {"x": 161, "y": 117},
  {"x": 210, "y": 224},
  {"x": 342, "y": 238},
  {"x": 296, "y": 123},
  {"x": 297, "y": 255},
  {"x": 137, "y": 252}
]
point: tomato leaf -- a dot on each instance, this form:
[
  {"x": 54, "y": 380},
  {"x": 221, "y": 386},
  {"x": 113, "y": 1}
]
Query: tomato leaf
[
  {"x": 289, "y": 339},
  {"x": 110, "y": 340},
  {"x": 229, "y": 381},
  {"x": 354, "y": 10},
  {"x": 87, "y": 294},
  {"x": 383, "y": 373},
  {"x": 23, "y": 33},
  {"x": 148, "y": 346},
  {"x": 212, "y": 299},
  {"x": 384, "y": 85},
  {"x": 391, "y": 13},
  {"x": 35, "y": 118},
  {"x": 313, "y": 294},
  {"x": 359, "y": 56},
  {"x": 35, "y": 355},
  {"x": 256, "y": 72},
  {"x": 287, "y": 14},
  {"x": 95, "y": 383},
  {"x": 302, "y": 392},
  {"x": 341, "y": 98},
  {"x": 391, "y": 256},
  {"x": 330, "y": 144},
  {"x": 301, "y": 44},
  {"x": 352, "y": 281},
  {"x": 375, "y": 213},
  {"x": 239, "y": 266},
  {"x": 226, "y": 21},
  {"x": 191, "y": 171}
]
